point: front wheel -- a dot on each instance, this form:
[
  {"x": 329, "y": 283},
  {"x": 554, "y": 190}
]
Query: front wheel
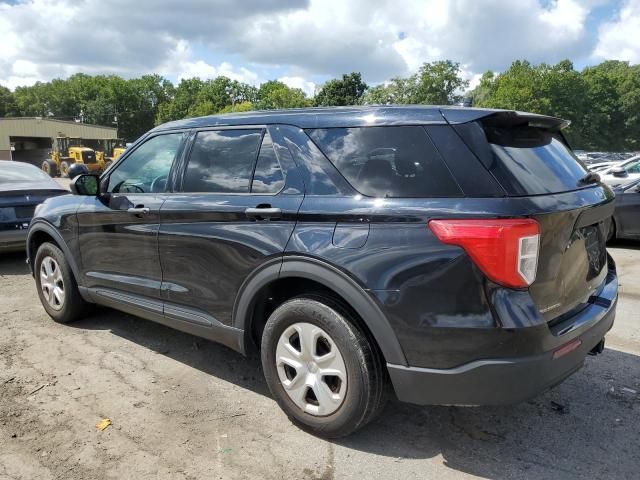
[
  {"x": 64, "y": 169},
  {"x": 49, "y": 167},
  {"x": 321, "y": 368},
  {"x": 57, "y": 288}
]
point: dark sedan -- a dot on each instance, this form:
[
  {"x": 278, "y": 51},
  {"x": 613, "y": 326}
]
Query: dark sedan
[
  {"x": 626, "y": 217},
  {"x": 22, "y": 188}
]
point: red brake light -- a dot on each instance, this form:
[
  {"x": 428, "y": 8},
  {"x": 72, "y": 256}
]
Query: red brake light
[{"x": 506, "y": 250}]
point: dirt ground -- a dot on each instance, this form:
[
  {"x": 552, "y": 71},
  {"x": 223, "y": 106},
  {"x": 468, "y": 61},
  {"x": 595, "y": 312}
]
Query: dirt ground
[{"x": 183, "y": 407}]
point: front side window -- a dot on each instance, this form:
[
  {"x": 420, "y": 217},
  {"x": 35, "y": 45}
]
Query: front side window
[
  {"x": 147, "y": 168},
  {"x": 387, "y": 161},
  {"x": 222, "y": 161}
]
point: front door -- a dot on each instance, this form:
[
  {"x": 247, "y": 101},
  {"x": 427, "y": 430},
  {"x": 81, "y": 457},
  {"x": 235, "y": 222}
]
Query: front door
[
  {"x": 234, "y": 210},
  {"x": 118, "y": 230}
]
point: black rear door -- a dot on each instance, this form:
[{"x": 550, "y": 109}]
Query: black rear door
[{"x": 234, "y": 209}]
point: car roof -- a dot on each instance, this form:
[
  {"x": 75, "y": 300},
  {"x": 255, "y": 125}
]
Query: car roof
[{"x": 359, "y": 116}]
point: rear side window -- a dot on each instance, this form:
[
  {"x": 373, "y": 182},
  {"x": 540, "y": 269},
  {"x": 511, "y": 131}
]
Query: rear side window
[
  {"x": 267, "y": 177},
  {"x": 222, "y": 161},
  {"x": 533, "y": 161},
  {"x": 387, "y": 161}
]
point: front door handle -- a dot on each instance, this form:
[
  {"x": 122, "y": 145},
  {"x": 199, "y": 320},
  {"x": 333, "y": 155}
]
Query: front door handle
[
  {"x": 139, "y": 211},
  {"x": 263, "y": 213}
]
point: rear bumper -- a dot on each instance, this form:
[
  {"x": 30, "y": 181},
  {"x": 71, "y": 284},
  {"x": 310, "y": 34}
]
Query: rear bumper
[
  {"x": 503, "y": 381},
  {"x": 13, "y": 240}
]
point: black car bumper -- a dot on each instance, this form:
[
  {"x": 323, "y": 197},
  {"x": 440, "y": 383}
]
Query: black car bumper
[
  {"x": 13, "y": 240},
  {"x": 504, "y": 381}
]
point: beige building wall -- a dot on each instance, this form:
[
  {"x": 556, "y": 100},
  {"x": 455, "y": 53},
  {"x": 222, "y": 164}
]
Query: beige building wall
[{"x": 47, "y": 128}]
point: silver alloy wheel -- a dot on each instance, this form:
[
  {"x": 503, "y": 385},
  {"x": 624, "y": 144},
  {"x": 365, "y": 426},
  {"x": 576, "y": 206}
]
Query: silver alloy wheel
[
  {"x": 311, "y": 369},
  {"x": 51, "y": 283}
]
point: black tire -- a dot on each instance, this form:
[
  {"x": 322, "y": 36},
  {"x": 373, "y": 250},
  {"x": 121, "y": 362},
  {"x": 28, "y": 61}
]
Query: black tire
[
  {"x": 64, "y": 169},
  {"x": 49, "y": 167},
  {"x": 73, "y": 307},
  {"x": 366, "y": 378}
]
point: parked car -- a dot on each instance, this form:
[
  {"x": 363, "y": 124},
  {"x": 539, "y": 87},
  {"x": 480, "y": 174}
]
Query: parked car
[
  {"x": 22, "y": 187},
  {"x": 598, "y": 167},
  {"x": 457, "y": 253},
  {"x": 622, "y": 172},
  {"x": 626, "y": 217}
]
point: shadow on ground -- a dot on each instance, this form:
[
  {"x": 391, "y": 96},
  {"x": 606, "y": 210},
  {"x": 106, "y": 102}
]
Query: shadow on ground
[
  {"x": 586, "y": 427},
  {"x": 582, "y": 427},
  {"x": 13, "y": 263}
]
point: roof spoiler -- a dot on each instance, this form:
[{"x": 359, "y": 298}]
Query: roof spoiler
[{"x": 503, "y": 118}]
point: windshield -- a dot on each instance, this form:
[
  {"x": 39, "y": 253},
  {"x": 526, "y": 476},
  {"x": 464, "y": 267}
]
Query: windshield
[{"x": 19, "y": 173}]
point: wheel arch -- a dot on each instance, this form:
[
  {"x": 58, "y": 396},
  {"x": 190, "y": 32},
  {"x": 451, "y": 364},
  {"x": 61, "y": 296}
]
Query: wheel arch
[
  {"x": 41, "y": 232},
  {"x": 301, "y": 269}
]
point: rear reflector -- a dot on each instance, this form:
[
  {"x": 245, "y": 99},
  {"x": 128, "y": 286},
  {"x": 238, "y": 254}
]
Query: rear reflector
[
  {"x": 506, "y": 250},
  {"x": 568, "y": 348}
]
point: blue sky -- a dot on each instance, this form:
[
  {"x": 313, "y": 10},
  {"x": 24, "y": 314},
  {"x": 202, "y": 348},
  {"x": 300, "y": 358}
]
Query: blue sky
[{"x": 305, "y": 42}]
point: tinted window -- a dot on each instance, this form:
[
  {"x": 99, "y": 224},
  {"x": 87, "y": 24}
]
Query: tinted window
[
  {"x": 387, "y": 161},
  {"x": 222, "y": 161},
  {"x": 268, "y": 176},
  {"x": 531, "y": 161},
  {"x": 147, "y": 168}
]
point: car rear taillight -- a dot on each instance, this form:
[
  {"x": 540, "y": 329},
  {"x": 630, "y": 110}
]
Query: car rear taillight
[{"x": 506, "y": 250}]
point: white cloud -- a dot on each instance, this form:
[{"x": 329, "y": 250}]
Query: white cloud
[
  {"x": 204, "y": 71},
  {"x": 298, "y": 39},
  {"x": 299, "y": 82},
  {"x": 618, "y": 39}
]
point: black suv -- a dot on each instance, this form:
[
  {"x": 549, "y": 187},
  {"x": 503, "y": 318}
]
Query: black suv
[{"x": 456, "y": 254}]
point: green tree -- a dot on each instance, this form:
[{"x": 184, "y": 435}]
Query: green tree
[
  {"x": 276, "y": 94},
  {"x": 345, "y": 91},
  {"x": 397, "y": 91},
  {"x": 439, "y": 83},
  {"x": 184, "y": 98},
  {"x": 8, "y": 106},
  {"x": 238, "y": 107}
]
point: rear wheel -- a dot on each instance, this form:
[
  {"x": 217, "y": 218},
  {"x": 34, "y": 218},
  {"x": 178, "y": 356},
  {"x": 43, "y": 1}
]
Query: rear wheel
[
  {"x": 57, "y": 289},
  {"x": 64, "y": 169},
  {"x": 49, "y": 167},
  {"x": 322, "y": 370}
]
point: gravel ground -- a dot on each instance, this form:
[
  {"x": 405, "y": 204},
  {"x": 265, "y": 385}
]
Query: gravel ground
[{"x": 183, "y": 407}]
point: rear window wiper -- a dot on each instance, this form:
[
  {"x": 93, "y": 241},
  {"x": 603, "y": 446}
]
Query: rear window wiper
[{"x": 591, "y": 177}]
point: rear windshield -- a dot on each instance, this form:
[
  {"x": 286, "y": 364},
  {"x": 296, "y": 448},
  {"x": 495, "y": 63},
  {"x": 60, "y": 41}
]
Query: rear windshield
[
  {"x": 387, "y": 161},
  {"x": 15, "y": 172},
  {"x": 532, "y": 161}
]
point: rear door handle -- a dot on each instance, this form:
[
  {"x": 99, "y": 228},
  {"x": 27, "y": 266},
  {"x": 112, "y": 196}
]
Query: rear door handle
[
  {"x": 262, "y": 213},
  {"x": 139, "y": 210}
]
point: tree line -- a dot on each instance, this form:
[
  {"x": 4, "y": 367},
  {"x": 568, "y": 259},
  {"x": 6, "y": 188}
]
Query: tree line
[{"x": 602, "y": 101}]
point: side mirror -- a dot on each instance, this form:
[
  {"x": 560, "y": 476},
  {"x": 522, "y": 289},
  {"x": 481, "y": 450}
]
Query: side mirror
[
  {"x": 619, "y": 172},
  {"x": 85, "y": 185}
]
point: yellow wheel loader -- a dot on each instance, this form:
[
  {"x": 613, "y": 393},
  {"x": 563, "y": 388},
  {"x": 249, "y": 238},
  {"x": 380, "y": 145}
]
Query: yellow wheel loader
[{"x": 67, "y": 151}]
